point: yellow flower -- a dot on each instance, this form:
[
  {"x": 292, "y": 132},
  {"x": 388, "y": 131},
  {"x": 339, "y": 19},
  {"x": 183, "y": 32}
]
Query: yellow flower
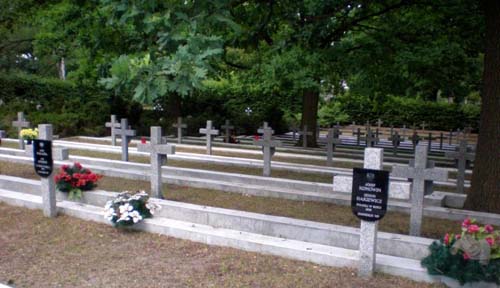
[{"x": 29, "y": 133}]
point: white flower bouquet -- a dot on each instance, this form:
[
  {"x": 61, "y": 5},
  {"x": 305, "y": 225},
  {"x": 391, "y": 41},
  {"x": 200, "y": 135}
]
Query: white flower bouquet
[{"x": 129, "y": 208}]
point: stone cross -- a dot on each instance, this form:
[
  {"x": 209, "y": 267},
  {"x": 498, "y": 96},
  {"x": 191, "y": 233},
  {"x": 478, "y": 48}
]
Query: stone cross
[
  {"x": 419, "y": 173},
  {"x": 370, "y": 138},
  {"x": 125, "y": 135},
  {"x": 462, "y": 157},
  {"x": 377, "y": 134},
  {"x": 379, "y": 123},
  {"x": 227, "y": 127},
  {"x": 391, "y": 132},
  {"x": 113, "y": 124},
  {"x": 358, "y": 136},
  {"x": 179, "y": 125},
  {"x": 403, "y": 130},
  {"x": 450, "y": 136},
  {"x": 429, "y": 141},
  {"x": 374, "y": 159},
  {"x": 353, "y": 127},
  {"x": 294, "y": 130},
  {"x": 332, "y": 139},
  {"x": 208, "y": 131},
  {"x": 423, "y": 125},
  {"x": 268, "y": 147},
  {"x": 441, "y": 138},
  {"x": 264, "y": 126},
  {"x": 158, "y": 152},
  {"x": 304, "y": 134},
  {"x": 21, "y": 123},
  {"x": 415, "y": 139},
  {"x": 396, "y": 141},
  {"x": 48, "y": 186}
]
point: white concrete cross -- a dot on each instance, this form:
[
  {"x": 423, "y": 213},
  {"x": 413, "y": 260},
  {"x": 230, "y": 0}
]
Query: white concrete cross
[
  {"x": 158, "y": 152},
  {"x": 423, "y": 125},
  {"x": 332, "y": 139},
  {"x": 403, "y": 131},
  {"x": 374, "y": 159},
  {"x": 379, "y": 123},
  {"x": 265, "y": 126},
  {"x": 113, "y": 124},
  {"x": 461, "y": 156},
  {"x": 179, "y": 125},
  {"x": 268, "y": 147},
  {"x": 20, "y": 123},
  {"x": 125, "y": 134},
  {"x": 209, "y": 132},
  {"x": 227, "y": 127},
  {"x": 304, "y": 134},
  {"x": 47, "y": 184},
  {"x": 419, "y": 174}
]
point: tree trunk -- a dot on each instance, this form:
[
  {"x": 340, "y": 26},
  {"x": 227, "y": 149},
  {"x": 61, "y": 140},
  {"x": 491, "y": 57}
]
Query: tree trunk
[
  {"x": 484, "y": 194},
  {"x": 310, "y": 99}
]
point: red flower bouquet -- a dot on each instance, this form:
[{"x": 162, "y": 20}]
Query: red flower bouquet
[{"x": 75, "y": 179}]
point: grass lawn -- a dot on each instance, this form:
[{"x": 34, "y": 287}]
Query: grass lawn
[
  {"x": 314, "y": 211},
  {"x": 69, "y": 252}
]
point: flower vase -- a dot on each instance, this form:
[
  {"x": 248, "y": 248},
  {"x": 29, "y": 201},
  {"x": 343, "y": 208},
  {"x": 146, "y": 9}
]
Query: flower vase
[{"x": 29, "y": 141}]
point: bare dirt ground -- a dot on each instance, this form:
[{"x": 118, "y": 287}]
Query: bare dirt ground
[{"x": 66, "y": 252}]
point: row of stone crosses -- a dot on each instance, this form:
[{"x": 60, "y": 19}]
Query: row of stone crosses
[{"x": 463, "y": 156}]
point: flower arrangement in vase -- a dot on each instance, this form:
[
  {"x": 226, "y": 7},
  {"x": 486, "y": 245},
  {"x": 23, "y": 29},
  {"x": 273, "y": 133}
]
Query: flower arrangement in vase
[{"x": 29, "y": 134}]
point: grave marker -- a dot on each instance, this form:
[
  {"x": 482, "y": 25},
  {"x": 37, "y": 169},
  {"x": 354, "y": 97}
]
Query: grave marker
[
  {"x": 379, "y": 123},
  {"x": 403, "y": 132},
  {"x": 462, "y": 156},
  {"x": 125, "y": 135},
  {"x": 396, "y": 141},
  {"x": 268, "y": 148},
  {"x": 179, "y": 125},
  {"x": 370, "y": 138},
  {"x": 441, "y": 138},
  {"x": 369, "y": 203},
  {"x": 415, "y": 139},
  {"x": 429, "y": 141},
  {"x": 358, "y": 136},
  {"x": 209, "y": 132},
  {"x": 113, "y": 124},
  {"x": 304, "y": 133},
  {"x": 21, "y": 123},
  {"x": 43, "y": 162},
  {"x": 227, "y": 127},
  {"x": 419, "y": 173},
  {"x": 158, "y": 153},
  {"x": 332, "y": 139}
]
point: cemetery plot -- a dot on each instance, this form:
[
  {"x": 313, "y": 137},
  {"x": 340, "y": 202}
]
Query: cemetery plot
[
  {"x": 158, "y": 259},
  {"x": 393, "y": 222}
]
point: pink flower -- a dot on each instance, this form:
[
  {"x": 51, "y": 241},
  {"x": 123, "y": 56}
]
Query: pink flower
[
  {"x": 78, "y": 165},
  {"x": 466, "y": 256},
  {"x": 447, "y": 239},
  {"x": 466, "y": 222},
  {"x": 256, "y": 137},
  {"x": 473, "y": 229},
  {"x": 490, "y": 241},
  {"x": 488, "y": 228},
  {"x": 64, "y": 167},
  {"x": 143, "y": 140},
  {"x": 458, "y": 236}
]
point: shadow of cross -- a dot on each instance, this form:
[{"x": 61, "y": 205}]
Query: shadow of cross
[
  {"x": 209, "y": 132},
  {"x": 332, "y": 139},
  {"x": 268, "y": 148},
  {"x": 158, "y": 151},
  {"x": 113, "y": 124},
  {"x": 396, "y": 141},
  {"x": 462, "y": 155},
  {"x": 304, "y": 133},
  {"x": 227, "y": 127},
  {"x": 179, "y": 125},
  {"x": 125, "y": 134},
  {"x": 419, "y": 173},
  {"x": 20, "y": 123}
]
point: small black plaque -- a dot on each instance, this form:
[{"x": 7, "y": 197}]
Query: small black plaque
[
  {"x": 369, "y": 193},
  {"x": 42, "y": 157}
]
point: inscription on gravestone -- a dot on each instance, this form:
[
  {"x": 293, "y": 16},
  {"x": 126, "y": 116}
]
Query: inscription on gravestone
[
  {"x": 42, "y": 155},
  {"x": 369, "y": 193}
]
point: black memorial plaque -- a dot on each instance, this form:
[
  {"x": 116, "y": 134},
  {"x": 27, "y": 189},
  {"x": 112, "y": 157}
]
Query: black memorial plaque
[
  {"x": 369, "y": 193},
  {"x": 42, "y": 157}
]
